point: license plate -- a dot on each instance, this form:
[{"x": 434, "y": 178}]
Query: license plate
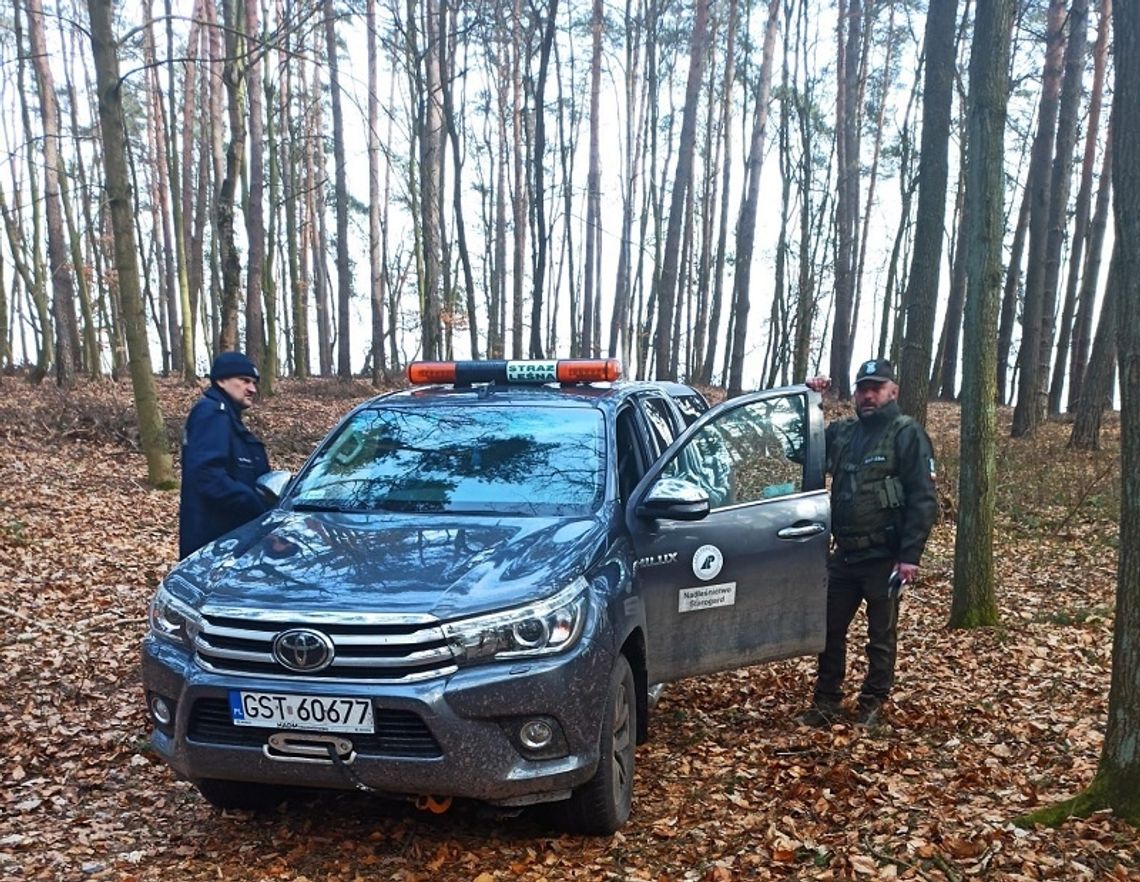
[{"x": 316, "y": 713}]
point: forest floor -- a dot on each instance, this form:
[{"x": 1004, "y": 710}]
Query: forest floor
[{"x": 985, "y": 726}]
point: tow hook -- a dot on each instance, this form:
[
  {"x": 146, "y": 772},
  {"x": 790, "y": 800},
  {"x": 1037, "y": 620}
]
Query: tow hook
[
  {"x": 437, "y": 805},
  {"x": 348, "y": 773},
  {"x": 433, "y": 804}
]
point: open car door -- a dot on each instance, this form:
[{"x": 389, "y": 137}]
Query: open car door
[{"x": 730, "y": 534}]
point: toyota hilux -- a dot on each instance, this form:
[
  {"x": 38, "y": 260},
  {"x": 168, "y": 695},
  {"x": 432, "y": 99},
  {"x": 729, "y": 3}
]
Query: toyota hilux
[{"x": 470, "y": 587}]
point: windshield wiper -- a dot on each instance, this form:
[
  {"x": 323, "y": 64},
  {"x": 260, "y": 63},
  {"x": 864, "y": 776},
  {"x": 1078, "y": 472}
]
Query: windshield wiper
[{"x": 322, "y": 505}]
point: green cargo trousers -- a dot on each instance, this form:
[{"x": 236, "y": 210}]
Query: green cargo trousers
[{"x": 849, "y": 585}]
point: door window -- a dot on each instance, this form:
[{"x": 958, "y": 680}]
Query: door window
[
  {"x": 630, "y": 461},
  {"x": 747, "y": 454},
  {"x": 660, "y": 421}
]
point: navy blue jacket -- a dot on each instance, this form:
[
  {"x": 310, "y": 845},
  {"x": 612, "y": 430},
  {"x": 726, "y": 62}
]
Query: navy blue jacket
[{"x": 221, "y": 462}]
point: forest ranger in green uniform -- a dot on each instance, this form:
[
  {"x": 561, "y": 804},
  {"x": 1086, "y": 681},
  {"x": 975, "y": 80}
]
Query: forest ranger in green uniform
[{"x": 883, "y": 505}]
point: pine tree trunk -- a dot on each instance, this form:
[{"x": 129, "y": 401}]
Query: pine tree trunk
[
  {"x": 952, "y": 328},
  {"x": 1010, "y": 300},
  {"x": 255, "y": 204},
  {"x": 973, "y": 601},
  {"x": 179, "y": 187},
  {"x": 593, "y": 183},
  {"x": 84, "y": 233},
  {"x": 746, "y": 225},
  {"x": 67, "y": 347},
  {"x": 270, "y": 286},
  {"x": 1061, "y": 184},
  {"x": 519, "y": 202},
  {"x": 340, "y": 176},
  {"x": 152, "y": 430},
  {"x": 232, "y": 76},
  {"x": 1082, "y": 329},
  {"x": 663, "y": 343},
  {"x": 933, "y": 174},
  {"x": 1119, "y": 769},
  {"x": 496, "y": 331},
  {"x": 1096, "y": 388},
  {"x": 162, "y": 195},
  {"x": 1081, "y": 220},
  {"x": 847, "y": 186},
  {"x": 375, "y": 229},
  {"x": 621, "y": 335},
  {"x": 1025, "y": 414},
  {"x": 36, "y": 282}
]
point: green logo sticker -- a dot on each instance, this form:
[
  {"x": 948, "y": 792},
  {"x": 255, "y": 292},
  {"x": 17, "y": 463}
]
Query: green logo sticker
[{"x": 532, "y": 371}]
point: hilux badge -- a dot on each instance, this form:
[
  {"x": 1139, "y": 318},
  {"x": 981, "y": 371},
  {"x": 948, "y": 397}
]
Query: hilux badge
[{"x": 654, "y": 560}]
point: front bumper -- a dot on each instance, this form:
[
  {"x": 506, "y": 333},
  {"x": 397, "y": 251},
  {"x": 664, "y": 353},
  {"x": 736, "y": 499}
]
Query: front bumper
[{"x": 450, "y": 736}]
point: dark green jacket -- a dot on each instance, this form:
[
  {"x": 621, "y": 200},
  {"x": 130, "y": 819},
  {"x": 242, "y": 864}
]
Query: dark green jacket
[{"x": 883, "y": 499}]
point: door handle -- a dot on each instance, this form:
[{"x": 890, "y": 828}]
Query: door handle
[{"x": 801, "y": 531}]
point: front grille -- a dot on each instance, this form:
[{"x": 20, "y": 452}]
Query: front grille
[
  {"x": 369, "y": 652},
  {"x": 399, "y": 733}
]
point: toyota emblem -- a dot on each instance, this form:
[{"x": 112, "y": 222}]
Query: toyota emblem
[{"x": 303, "y": 650}]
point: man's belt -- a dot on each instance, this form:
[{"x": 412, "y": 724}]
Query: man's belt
[{"x": 858, "y": 543}]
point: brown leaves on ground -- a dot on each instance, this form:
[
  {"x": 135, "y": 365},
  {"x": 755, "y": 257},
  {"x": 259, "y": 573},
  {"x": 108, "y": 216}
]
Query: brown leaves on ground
[{"x": 985, "y": 726}]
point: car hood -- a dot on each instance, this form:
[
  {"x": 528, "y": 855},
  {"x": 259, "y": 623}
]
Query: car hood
[{"x": 394, "y": 563}]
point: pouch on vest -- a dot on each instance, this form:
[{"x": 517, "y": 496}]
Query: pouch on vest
[{"x": 891, "y": 493}]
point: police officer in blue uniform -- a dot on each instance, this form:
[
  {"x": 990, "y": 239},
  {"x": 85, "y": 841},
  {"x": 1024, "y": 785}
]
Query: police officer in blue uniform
[
  {"x": 221, "y": 458},
  {"x": 883, "y": 506}
]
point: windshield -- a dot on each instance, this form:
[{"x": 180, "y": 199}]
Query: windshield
[{"x": 468, "y": 458}]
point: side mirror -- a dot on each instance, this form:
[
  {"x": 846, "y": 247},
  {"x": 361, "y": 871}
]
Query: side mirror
[
  {"x": 674, "y": 499},
  {"x": 272, "y": 484}
]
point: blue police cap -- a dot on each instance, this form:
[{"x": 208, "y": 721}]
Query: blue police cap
[{"x": 233, "y": 364}]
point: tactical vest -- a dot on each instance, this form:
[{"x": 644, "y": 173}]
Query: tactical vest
[{"x": 867, "y": 497}]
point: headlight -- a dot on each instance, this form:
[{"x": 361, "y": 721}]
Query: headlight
[
  {"x": 172, "y": 619},
  {"x": 543, "y": 628}
]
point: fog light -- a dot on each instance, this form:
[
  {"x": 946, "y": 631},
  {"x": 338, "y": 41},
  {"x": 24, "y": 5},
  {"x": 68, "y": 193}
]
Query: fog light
[
  {"x": 536, "y": 734},
  {"x": 161, "y": 710}
]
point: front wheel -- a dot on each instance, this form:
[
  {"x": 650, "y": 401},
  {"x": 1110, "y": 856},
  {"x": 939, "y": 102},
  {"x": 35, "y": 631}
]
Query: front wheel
[{"x": 601, "y": 805}]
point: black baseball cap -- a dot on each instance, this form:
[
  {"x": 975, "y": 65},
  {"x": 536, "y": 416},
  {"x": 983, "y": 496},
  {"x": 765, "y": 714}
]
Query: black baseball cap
[{"x": 877, "y": 370}]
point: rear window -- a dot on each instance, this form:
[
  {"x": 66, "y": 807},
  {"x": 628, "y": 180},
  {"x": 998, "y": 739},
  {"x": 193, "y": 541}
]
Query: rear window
[
  {"x": 691, "y": 407},
  {"x": 473, "y": 458}
]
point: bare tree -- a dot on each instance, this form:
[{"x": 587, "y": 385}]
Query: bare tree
[
  {"x": 1025, "y": 414},
  {"x": 376, "y": 257},
  {"x": 746, "y": 225},
  {"x": 682, "y": 180},
  {"x": 519, "y": 202},
  {"x": 1071, "y": 324},
  {"x": 1062, "y": 176},
  {"x": 1009, "y": 301},
  {"x": 255, "y": 199},
  {"x": 973, "y": 602},
  {"x": 1117, "y": 781},
  {"x": 593, "y": 184},
  {"x": 847, "y": 197},
  {"x": 340, "y": 175},
  {"x": 67, "y": 347},
  {"x": 933, "y": 172},
  {"x": 152, "y": 430}
]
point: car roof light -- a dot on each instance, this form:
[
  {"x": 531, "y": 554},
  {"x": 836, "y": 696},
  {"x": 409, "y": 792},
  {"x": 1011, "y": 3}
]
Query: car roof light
[
  {"x": 564, "y": 370},
  {"x": 420, "y": 372},
  {"x": 588, "y": 370}
]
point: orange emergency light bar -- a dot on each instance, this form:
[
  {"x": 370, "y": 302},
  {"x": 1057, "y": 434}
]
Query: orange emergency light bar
[{"x": 563, "y": 370}]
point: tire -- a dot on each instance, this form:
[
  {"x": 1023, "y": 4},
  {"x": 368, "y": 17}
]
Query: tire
[
  {"x": 242, "y": 794},
  {"x": 602, "y": 805}
]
